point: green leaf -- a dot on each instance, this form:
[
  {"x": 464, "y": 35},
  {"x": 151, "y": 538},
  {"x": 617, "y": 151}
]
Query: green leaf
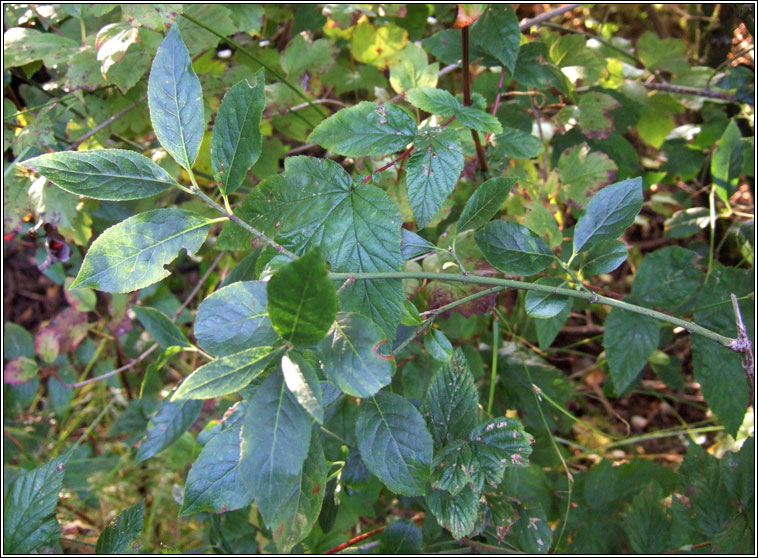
[
  {"x": 300, "y": 508},
  {"x": 513, "y": 248},
  {"x": 432, "y": 171},
  {"x": 546, "y": 305},
  {"x": 532, "y": 533},
  {"x": 411, "y": 69},
  {"x": 647, "y": 526},
  {"x": 451, "y": 402},
  {"x": 276, "y": 434},
  {"x": 302, "y": 301},
  {"x": 629, "y": 340},
  {"x": 132, "y": 254},
  {"x": 160, "y": 326},
  {"x": 437, "y": 345},
  {"x": 175, "y": 99},
  {"x": 717, "y": 369},
  {"x": 548, "y": 330},
  {"x": 687, "y": 222},
  {"x": 236, "y": 141},
  {"x": 594, "y": 117},
  {"x": 497, "y": 33},
  {"x": 29, "y": 522},
  {"x": 667, "y": 278},
  {"x": 726, "y": 164},
  {"x": 170, "y": 421},
  {"x": 123, "y": 535},
  {"x": 225, "y": 375},
  {"x": 402, "y": 536},
  {"x": 302, "y": 380},
  {"x": 394, "y": 443},
  {"x": 499, "y": 443},
  {"x": 608, "y": 214},
  {"x": 303, "y": 56},
  {"x": 442, "y": 103},
  {"x": 456, "y": 468},
  {"x": 215, "y": 481},
  {"x": 22, "y": 45},
  {"x": 414, "y": 245},
  {"x": 662, "y": 54},
  {"x": 103, "y": 174},
  {"x": 155, "y": 17},
  {"x": 604, "y": 257},
  {"x": 485, "y": 203},
  {"x": 516, "y": 144},
  {"x": 365, "y": 129},
  {"x": 457, "y": 513},
  {"x": 582, "y": 170},
  {"x": 315, "y": 202},
  {"x": 353, "y": 355},
  {"x": 234, "y": 318}
]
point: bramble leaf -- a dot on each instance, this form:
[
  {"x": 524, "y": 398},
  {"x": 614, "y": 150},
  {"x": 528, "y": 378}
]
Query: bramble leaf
[
  {"x": 456, "y": 513},
  {"x": 432, "y": 172},
  {"x": 103, "y": 174},
  {"x": 513, "y": 248},
  {"x": 124, "y": 534},
  {"x": 442, "y": 103},
  {"x": 354, "y": 356},
  {"x": 132, "y": 254},
  {"x": 497, "y": 33},
  {"x": 394, "y": 443},
  {"x": 365, "y": 129},
  {"x": 236, "y": 140},
  {"x": 302, "y": 301},
  {"x": 175, "y": 98}
]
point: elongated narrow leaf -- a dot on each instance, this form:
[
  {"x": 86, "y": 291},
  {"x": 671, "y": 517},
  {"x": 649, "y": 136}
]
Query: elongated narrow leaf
[
  {"x": 300, "y": 508},
  {"x": 236, "y": 141},
  {"x": 432, "y": 172},
  {"x": 414, "y": 245},
  {"x": 234, "y": 318},
  {"x": 29, "y": 521},
  {"x": 543, "y": 305},
  {"x": 450, "y": 404},
  {"x": 302, "y": 301},
  {"x": 302, "y": 380},
  {"x": 103, "y": 174},
  {"x": 394, "y": 443},
  {"x": 629, "y": 341},
  {"x": 604, "y": 257},
  {"x": 315, "y": 202},
  {"x": 175, "y": 98},
  {"x": 365, "y": 129},
  {"x": 214, "y": 482},
  {"x": 123, "y": 535},
  {"x": 726, "y": 163},
  {"x": 608, "y": 213},
  {"x": 485, "y": 203},
  {"x": 355, "y": 355},
  {"x": 225, "y": 375},
  {"x": 171, "y": 420},
  {"x": 132, "y": 254},
  {"x": 513, "y": 248},
  {"x": 163, "y": 330},
  {"x": 276, "y": 434}
]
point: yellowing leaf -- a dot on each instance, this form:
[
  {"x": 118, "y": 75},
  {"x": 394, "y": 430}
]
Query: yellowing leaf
[{"x": 371, "y": 45}]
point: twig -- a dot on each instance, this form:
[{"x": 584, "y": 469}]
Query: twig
[
  {"x": 743, "y": 345},
  {"x": 137, "y": 360},
  {"x": 467, "y": 99},
  {"x": 547, "y": 15},
  {"x": 497, "y": 101},
  {"x": 316, "y": 102},
  {"x": 46, "y": 21},
  {"x": 355, "y": 540},
  {"x": 405, "y": 154},
  {"x": 197, "y": 287},
  {"x": 684, "y": 90},
  {"x": 105, "y": 124}
]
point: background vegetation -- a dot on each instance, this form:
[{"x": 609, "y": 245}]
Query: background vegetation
[{"x": 642, "y": 433}]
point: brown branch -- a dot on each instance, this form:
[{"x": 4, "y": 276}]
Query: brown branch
[
  {"x": 683, "y": 90},
  {"x": 405, "y": 154},
  {"x": 547, "y": 15},
  {"x": 467, "y": 99},
  {"x": 105, "y": 124}
]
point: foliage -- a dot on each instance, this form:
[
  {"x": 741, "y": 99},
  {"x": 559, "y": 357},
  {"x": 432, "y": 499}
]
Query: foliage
[{"x": 391, "y": 291}]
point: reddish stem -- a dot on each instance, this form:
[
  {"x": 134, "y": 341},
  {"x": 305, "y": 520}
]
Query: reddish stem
[
  {"x": 388, "y": 165},
  {"x": 355, "y": 540},
  {"x": 497, "y": 100},
  {"x": 467, "y": 99}
]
